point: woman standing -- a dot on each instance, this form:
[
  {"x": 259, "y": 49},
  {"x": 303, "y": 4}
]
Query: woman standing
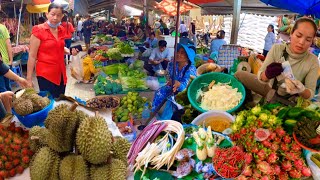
[
  {"x": 304, "y": 67},
  {"x": 184, "y": 70},
  {"x": 269, "y": 40},
  {"x": 69, "y": 31},
  {"x": 47, "y": 53}
]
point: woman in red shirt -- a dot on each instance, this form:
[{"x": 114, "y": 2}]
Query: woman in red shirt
[
  {"x": 47, "y": 53},
  {"x": 69, "y": 31}
]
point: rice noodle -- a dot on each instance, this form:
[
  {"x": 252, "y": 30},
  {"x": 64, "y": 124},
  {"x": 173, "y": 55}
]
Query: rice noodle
[{"x": 220, "y": 97}]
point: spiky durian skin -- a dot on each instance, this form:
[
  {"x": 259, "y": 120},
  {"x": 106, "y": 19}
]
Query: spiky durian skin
[
  {"x": 118, "y": 169},
  {"x": 41, "y": 164},
  {"x": 120, "y": 148},
  {"x": 54, "y": 173},
  {"x": 61, "y": 124},
  {"x": 73, "y": 167},
  {"x": 100, "y": 172},
  {"x": 36, "y": 144},
  {"x": 24, "y": 107},
  {"x": 38, "y": 102},
  {"x": 94, "y": 140}
]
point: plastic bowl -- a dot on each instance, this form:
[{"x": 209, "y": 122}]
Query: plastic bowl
[
  {"x": 36, "y": 118},
  {"x": 199, "y": 120},
  {"x": 301, "y": 145},
  {"x": 206, "y": 79}
]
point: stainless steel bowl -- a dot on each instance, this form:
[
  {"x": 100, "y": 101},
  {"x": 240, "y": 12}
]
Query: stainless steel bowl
[{"x": 161, "y": 72}]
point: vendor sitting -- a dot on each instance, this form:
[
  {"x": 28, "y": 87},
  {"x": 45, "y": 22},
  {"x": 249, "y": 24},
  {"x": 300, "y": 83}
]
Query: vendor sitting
[
  {"x": 88, "y": 67},
  {"x": 304, "y": 65},
  {"x": 158, "y": 59},
  {"x": 184, "y": 70}
]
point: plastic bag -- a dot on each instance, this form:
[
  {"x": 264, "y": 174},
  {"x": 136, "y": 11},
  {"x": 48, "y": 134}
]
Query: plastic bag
[
  {"x": 313, "y": 167},
  {"x": 76, "y": 67},
  {"x": 153, "y": 83}
]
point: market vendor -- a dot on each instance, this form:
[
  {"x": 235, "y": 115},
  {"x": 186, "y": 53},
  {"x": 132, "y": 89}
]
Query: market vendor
[
  {"x": 47, "y": 53},
  {"x": 158, "y": 59},
  {"x": 184, "y": 69},
  {"x": 88, "y": 67},
  {"x": 6, "y": 97},
  {"x": 304, "y": 66}
]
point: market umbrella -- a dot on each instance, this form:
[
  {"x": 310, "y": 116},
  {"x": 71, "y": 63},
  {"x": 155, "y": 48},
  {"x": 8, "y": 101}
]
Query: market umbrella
[
  {"x": 170, "y": 7},
  {"x": 303, "y": 7}
]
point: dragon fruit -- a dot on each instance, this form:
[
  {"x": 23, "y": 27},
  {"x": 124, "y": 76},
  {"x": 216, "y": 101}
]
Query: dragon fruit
[
  {"x": 255, "y": 149},
  {"x": 286, "y": 165},
  {"x": 272, "y": 158},
  {"x": 272, "y": 136},
  {"x": 264, "y": 178},
  {"x": 287, "y": 139},
  {"x": 274, "y": 147},
  {"x": 284, "y": 147},
  {"x": 247, "y": 171},
  {"x": 264, "y": 167},
  {"x": 256, "y": 173},
  {"x": 266, "y": 143},
  {"x": 261, "y": 134},
  {"x": 241, "y": 177},
  {"x": 306, "y": 172},
  {"x": 298, "y": 163},
  {"x": 295, "y": 147},
  {"x": 294, "y": 173},
  {"x": 276, "y": 169},
  {"x": 291, "y": 156}
]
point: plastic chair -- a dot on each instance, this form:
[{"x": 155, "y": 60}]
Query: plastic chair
[{"x": 17, "y": 69}]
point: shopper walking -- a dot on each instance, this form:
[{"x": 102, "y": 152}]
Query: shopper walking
[
  {"x": 6, "y": 52},
  {"x": 269, "y": 40},
  {"x": 47, "y": 53},
  {"x": 79, "y": 29},
  {"x": 87, "y": 31}
]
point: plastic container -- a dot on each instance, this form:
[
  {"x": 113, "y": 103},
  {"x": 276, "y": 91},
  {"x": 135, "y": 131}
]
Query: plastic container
[
  {"x": 206, "y": 79},
  {"x": 145, "y": 113},
  {"x": 36, "y": 118}
]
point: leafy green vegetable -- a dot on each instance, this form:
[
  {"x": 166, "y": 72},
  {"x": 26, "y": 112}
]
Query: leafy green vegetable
[
  {"x": 104, "y": 86},
  {"x": 114, "y": 54}
]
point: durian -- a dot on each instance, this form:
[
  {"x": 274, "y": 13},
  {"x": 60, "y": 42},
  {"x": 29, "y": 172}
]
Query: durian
[
  {"x": 54, "y": 172},
  {"x": 23, "y": 107},
  {"x": 73, "y": 167},
  {"x": 118, "y": 169},
  {"x": 94, "y": 140},
  {"x": 120, "y": 148},
  {"x": 35, "y": 140},
  {"x": 38, "y": 102},
  {"x": 100, "y": 172},
  {"x": 42, "y": 163}
]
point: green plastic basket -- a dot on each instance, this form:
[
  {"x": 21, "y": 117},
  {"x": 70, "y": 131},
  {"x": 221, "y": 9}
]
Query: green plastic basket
[{"x": 206, "y": 79}]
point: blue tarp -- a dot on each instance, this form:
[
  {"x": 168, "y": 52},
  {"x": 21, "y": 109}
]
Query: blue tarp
[{"x": 303, "y": 7}]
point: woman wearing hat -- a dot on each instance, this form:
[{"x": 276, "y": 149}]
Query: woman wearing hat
[
  {"x": 184, "y": 70},
  {"x": 273, "y": 80}
]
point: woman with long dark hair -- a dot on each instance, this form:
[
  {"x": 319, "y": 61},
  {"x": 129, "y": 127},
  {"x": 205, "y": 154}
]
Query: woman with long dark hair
[{"x": 269, "y": 40}]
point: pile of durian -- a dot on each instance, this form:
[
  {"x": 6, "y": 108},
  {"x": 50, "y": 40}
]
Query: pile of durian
[
  {"x": 27, "y": 101},
  {"x": 75, "y": 146}
]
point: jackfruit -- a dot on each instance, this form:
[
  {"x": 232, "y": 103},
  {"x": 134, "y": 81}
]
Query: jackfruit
[
  {"x": 120, "y": 148},
  {"x": 73, "y": 167},
  {"x": 42, "y": 163},
  {"x": 100, "y": 172},
  {"x": 94, "y": 140},
  {"x": 23, "y": 107},
  {"x": 118, "y": 170}
]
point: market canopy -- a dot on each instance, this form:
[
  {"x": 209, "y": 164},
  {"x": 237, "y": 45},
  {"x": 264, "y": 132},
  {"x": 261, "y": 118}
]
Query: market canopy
[
  {"x": 170, "y": 7},
  {"x": 303, "y": 7},
  {"x": 41, "y": 6}
]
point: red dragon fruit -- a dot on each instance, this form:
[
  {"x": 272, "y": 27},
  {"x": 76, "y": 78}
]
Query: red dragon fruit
[
  {"x": 255, "y": 149},
  {"x": 286, "y": 165},
  {"x": 277, "y": 140},
  {"x": 273, "y": 136},
  {"x": 274, "y": 147},
  {"x": 247, "y": 171},
  {"x": 298, "y": 163},
  {"x": 287, "y": 139},
  {"x": 276, "y": 169},
  {"x": 283, "y": 176},
  {"x": 284, "y": 147},
  {"x": 262, "y": 154},
  {"x": 253, "y": 129},
  {"x": 280, "y": 132},
  {"x": 295, "y": 147},
  {"x": 248, "y": 158},
  {"x": 243, "y": 131},
  {"x": 294, "y": 173},
  {"x": 241, "y": 177},
  {"x": 306, "y": 172},
  {"x": 256, "y": 173},
  {"x": 272, "y": 158},
  {"x": 265, "y": 177},
  {"x": 266, "y": 143},
  {"x": 264, "y": 167}
]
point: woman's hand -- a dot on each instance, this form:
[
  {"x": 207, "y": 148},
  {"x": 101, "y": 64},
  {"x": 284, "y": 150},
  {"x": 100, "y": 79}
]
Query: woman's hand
[
  {"x": 6, "y": 99},
  {"x": 66, "y": 51},
  {"x": 30, "y": 83},
  {"x": 23, "y": 82},
  {"x": 74, "y": 51},
  {"x": 176, "y": 86},
  {"x": 273, "y": 70}
]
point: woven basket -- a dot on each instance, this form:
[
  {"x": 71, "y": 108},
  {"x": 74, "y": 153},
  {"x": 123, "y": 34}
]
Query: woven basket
[
  {"x": 102, "y": 97},
  {"x": 206, "y": 79}
]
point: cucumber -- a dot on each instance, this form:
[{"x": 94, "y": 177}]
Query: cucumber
[{"x": 290, "y": 122}]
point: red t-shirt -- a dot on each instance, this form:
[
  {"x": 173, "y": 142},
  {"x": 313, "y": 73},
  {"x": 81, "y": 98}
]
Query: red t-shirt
[
  {"x": 69, "y": 29},
  {"x": 50, "y": 58}
]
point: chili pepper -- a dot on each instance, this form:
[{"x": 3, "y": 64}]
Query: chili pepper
[{"x": 315, "y": 140}]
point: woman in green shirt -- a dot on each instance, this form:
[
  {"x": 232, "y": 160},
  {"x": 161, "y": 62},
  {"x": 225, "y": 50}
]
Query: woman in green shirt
[{"x": 304, "y": 65}]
